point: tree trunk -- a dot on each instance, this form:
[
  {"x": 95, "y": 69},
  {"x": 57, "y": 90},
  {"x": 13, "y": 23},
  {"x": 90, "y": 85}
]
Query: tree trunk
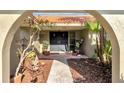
[
  {"x": 97, "y": 46},
  {"x": 23, "y": 56},
  {"x": 101, "y": 38}
]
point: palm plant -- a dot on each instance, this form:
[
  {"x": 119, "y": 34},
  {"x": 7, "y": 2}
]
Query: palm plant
[
  {"x": 45, "y": 47},
  {"x": 103, "y": 46},
  {"x": 94, "y": 27}
]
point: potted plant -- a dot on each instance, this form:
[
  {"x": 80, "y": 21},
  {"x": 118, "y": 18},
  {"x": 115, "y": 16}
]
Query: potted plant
[
  {"x": 77, "y": 47},
  {"x": 45, "y": 48}
]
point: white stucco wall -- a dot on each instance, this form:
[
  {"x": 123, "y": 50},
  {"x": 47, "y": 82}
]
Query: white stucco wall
[
  {"x": 89, "y": 43},
  {"x": 6, "y": 21},
  {"x": 117, "y": 23},
  {"x": 43, "y": 37},
  {"x": 14, "y": 60}
]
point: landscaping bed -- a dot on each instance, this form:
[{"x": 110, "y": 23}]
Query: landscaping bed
[
  {"x": 34, "y": 76},
  {"x": 90, "y": 71}
]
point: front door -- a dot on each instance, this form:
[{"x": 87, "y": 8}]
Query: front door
[{"x": 58, "y": 41}]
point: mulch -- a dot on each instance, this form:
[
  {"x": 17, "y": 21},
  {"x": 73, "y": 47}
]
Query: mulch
[
  {"x": 34, "y": 76},
  {"x": 90, "y": 71}
]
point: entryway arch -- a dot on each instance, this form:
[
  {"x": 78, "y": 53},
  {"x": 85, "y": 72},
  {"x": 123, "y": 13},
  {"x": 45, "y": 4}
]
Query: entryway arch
[{"x": 103, "y": 22}]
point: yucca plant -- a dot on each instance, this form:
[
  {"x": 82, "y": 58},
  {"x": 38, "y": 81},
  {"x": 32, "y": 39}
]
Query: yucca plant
[{"x": 107, "y": 51}]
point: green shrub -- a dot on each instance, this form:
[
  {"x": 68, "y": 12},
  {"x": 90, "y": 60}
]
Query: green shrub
[
  {"x": 45, "y": 44},
  {"x": 31, "y": 54}
]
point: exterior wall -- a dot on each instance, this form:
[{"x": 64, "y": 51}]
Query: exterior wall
[
  {"x": 117, "y": 23},
  {"x": 89, "y": 43},
  {"x": 20, "y": 34},
  {"x": 13, "y": 57},
  {"x": 77, "y": 35},
  {"x": 6, "y": 21},
  {"x": 44, "y": 36}
]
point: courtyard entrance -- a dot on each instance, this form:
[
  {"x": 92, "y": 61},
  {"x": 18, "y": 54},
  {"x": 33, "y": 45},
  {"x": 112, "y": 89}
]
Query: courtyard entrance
[{"x": 75, "y": 53}]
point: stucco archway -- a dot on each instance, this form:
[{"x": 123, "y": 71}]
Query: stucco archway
[{"x": 103, "y": 22}]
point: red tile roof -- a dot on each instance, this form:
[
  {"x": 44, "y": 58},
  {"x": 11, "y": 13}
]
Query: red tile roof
[{"x": 66, "y": 19}]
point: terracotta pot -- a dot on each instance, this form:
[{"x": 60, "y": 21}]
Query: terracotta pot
[
  {"x": 74, "y": 54},
  {"x": 46, "y": 52},
  {"x": 77, "y": 51}
]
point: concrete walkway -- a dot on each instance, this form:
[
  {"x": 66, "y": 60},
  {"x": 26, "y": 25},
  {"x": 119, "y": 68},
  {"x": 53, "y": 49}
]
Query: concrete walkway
[{"x": 60, "y": 71}]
